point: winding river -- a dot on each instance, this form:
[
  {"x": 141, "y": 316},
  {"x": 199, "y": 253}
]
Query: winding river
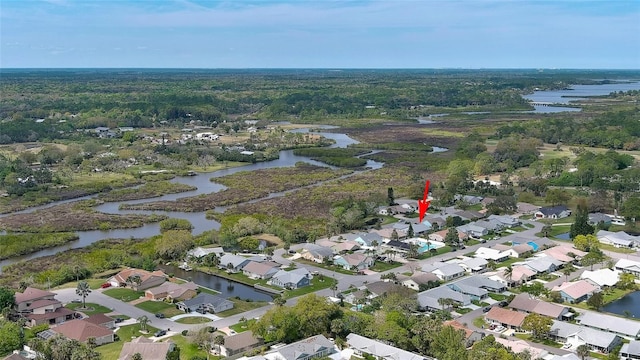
[{"x": 204, "y": 186}]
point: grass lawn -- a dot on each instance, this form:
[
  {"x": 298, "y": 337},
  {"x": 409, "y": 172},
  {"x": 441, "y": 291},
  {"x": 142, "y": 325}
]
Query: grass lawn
[
  {"x": 316, "y": 285},
  {"x": 240, "y": 306},
  {"x": 240, "y": 327},
  {"x": 518, "y": 228},
  {"x": 443, "y": 250},
  {"x": 463, "y": 310},
  {"x": 124, "y": 294},
  {"x": 479, "y": 322},
  {"x": 193, "y": 320},
  {"x": 380, "y": 266},
  {"x": 508, "y": 262},
  {"x": 208, "y": 291},
  {"x": 615, "y": 249},
  {"x": 497, "y": 297},
  {"x": 162, "y": 307},
  {"x": 125, "y": 334},
  {"x": 188, "y": 350},
  {"x": 95, "y": 308},
  {"x": 548, "y": 342}
]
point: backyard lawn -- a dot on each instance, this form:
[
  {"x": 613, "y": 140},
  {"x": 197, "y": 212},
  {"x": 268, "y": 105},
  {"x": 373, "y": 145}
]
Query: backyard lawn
[
  {"x": 94, "y": 308},
  {"x": 162, "y": 307},
  {"x": 381, "y": 266},
  {"x": 189, "y": 350},
  {"x": 316, "y": 284},
  {"x": 240, "y": 327},
  {"x": 124, "y": 294}
]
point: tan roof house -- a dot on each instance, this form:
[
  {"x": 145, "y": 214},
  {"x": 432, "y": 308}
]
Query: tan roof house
[
  {"x": 172, "y": 291},
  {"x": 102, "y": 320},
  {"x": 239, "y": 343},
  {"x": 147, "y": 348},
  {"x": 29, "y": 295},
  {"x": 82, "y": 330},
  {"x": 576, "y": 291},
  {"x": 260, "y": 270},
  {"x": 505, "y": 317},
  {"x": 145, "y": 279}
]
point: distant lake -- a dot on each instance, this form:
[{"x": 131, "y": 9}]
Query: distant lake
[{"x": 630, "y": 302}]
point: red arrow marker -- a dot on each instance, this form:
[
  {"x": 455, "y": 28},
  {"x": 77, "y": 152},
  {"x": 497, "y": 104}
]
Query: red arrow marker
[{"x": 423, "y": 204}]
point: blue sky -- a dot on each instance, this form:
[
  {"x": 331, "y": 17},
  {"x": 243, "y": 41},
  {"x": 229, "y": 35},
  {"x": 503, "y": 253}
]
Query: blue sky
[{"x": 320, "y": 34}]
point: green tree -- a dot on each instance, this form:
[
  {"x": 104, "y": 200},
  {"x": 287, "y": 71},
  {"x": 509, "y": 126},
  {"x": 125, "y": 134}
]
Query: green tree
[
  {"x": 555, "y": 296},
  {"x": 83, "y": 290},
  {"x": 581, "y": 224},
  {"x": 452, "y": 238},
  {"x": 175, "y": 224},
  {"x": 144, "y": 321},
  {"x": 249, "y": 243},
  {"x": 279, "y": 300},
  {"x": 596, "y": 301},
  {"x": 538, "y": 325},
  {"x": 7, "y": 299},
  {"x": 174, "y": 244},
  {"x": 534, "y": 288},
  {"x": 585, "y": 242},
  {"x": 582, "y": 351},
  {"x": 136, "y": 356},
  {"x": 449, "y": 344},
  {"x": 557, "y": 197},
  {"x": 626, "y": 281},
  {"x": 546, "y": 230},
  {"x": 11, "y": 337},
  {"x": 391, "y": 200},
  {"x": 594, "y": 256},
  {"x": 410, "y": 231},
  {"x": 631, "y": 208}
]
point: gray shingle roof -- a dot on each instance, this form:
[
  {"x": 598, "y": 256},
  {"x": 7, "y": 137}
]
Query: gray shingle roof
[{"x": 611, "y": 323}]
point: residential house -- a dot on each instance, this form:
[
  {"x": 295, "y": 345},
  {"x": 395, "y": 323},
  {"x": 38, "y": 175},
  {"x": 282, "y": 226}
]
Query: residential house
[
  {"x": 477, "y": 286},
  {"x": 552, "y": 212},
  {"x": 629, "y": 266},
  {"x": 102, "y": 320},
  {"x": 613, "y": 324},
  {"x": 444, "y": 271},
  {"x": 469, "y": 199},
  {"x": 29, "y": 296},
  {"x": 260, "y": 270},
  {"x": 492, "y": 254},
  {"x": 519, "y": 275},
  {"x": 47, "y": 312},
  {"x": 618, "y": 239},
  {"x": 418, "y": 279},
  {"x": 199, "y": 252},
  {"x": 292, "y": 279},
  {"x": 469, "y": 215},
  {"x": 520, "y": 251},
  {"x": 491, "y": 225},
  {"x": 597, "y": 218},
  {"x": 316, "y": 346},
  {"x": 82, "y": 330},
  {"x": 471, "y": 336},
  {"x": 602, "y": 277},
  {"x": 442, "y": 234},
  {"x": 564, "y": 253},
  {"x": 630, "y": 350},
  {"x": 435, "y": 221},
  {"x": 524, "y": 302},
  {"x": 473, "y": 230},
  {"x": 368, "y": 240},
  {"x": 147, "y": 348},
  {"x": 507, "y": 221},
  {"x": 577, "y": 335},
  {"x": 379, "y": 288},
  {"x": 526, "y": 208},
  {"x": 388, "y": 233},
  {"x": 233, "y": 263},
  {"x": 138, "y": 279},
  {"x": 576, "y": 291},
  {"x": 239, "y": 343},
  {"x": 205, "y": 303},
  {"x": 543, "y": 264},
  {"x": 345, "y": 246},
  {"x": 398, "y": 245},
  {"x": 317, "y": 253},
  {"x": 363, "y": 346},
  {"x": 429, "y": 300},
  {"x": 172, "y": 291},
  {"x": 356, "y": 261},
  {"x": 474, "y": 265},
  {"x": 505, "y": 317}
]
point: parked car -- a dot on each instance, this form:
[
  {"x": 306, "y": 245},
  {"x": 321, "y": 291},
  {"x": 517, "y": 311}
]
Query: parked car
[
  {"x": 160, "y": 315},
  {"x": 76, "y": 301},
  {"x": 105, "y": 285},
  {"x": 486, "y": 309},
  {"x": 118, "y": 320},
  {"x": 160, "y": 333}
]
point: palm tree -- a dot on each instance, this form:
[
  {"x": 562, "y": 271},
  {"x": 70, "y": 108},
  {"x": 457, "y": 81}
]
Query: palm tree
[
  {"x": 582, "y": 351},
  {"x": 134, "y": 280},
  {"x": 83, "y": 290},
  {"x": 567, "y": 271},
  {"x": 279, "y": 301},
  {"x": 143, "y": 320},
  {"x": 334, "y": 287},
  {"x": 508, "y": 273},
  {"x": 243, "y": 320},
  {"x": 136, "y": 356}
]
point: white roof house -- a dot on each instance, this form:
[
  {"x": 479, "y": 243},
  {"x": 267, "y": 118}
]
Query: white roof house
[
  {"x": 618, "y": 239},
  {"x": 491, "y": 254},
  {"x": 613, "y": 324},
  {"x": 199, "y": 251},
  {"x": 362, "y": 345},
  {"x": 578, "y": 335},
  {"x": 601, "y": 277},
  {"x": 428, "y": 299},
  {"x": 629, "y": 266},
  {"x": 630, "y": 350}
]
